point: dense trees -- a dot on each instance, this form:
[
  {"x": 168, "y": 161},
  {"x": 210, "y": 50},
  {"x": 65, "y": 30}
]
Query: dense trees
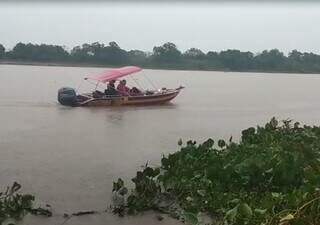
[
  {"x": 2, "y": 51},
  {"x": 166, "y": 56},
  {"x": 194, "y": 53},
  {"x": 137, "y": 57},
  {"x": 167, "y": 53},
  {"x": 99, "y": 53},
  {"x": 236, "y": 60},
  {"x": 42, "y": 53},
  {"x": 272, "y": 60}
]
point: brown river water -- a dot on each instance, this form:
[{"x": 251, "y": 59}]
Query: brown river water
[{"x": 68, "y": 157}]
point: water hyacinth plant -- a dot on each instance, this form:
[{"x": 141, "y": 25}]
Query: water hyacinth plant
[
  {"x": 15, "y": 205},
  {"x": 272, "y": 176}
]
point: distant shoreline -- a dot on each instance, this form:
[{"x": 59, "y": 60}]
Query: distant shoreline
[
  {"x": 164, "y": 57},
  {"x": 64, "y": 64},
  {"x": 72, "y": 64}
]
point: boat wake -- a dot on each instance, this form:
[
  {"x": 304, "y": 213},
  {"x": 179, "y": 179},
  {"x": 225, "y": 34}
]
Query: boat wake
[{"x": 5, "y": 104}]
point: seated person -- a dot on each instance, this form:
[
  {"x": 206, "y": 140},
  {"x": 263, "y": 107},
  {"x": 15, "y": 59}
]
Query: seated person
[
  {"x": 135, "y": 91},
  {"x": 97, "y": 94},
  {"x": 122, "y": 89},
  {"x": 111, "y": 90},
  {"x": 149, "y": 92}
]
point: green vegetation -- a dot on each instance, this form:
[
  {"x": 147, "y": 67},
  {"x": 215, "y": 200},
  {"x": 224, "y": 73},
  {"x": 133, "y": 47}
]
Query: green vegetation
[
  {"x": 14, "y": 205},
  {"x": 272, "y": 176},
  {"x": 2, "y": 51},
  {"x": 167, "y": 56}
]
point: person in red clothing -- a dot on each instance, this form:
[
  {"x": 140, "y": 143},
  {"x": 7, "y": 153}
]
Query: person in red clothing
[{"x": 122, "y": 88}]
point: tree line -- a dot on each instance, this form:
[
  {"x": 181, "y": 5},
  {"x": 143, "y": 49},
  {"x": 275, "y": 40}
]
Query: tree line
[{"x": 166, "y": 56}]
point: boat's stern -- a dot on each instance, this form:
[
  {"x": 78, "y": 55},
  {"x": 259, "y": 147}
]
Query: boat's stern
[{"x": 67, "y": 96}]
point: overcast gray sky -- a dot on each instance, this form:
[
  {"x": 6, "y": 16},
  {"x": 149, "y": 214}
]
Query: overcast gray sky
[{"x": 244, "y": 26}]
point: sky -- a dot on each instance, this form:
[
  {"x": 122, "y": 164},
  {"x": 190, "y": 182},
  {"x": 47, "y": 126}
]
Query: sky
[{"x": 246, "y": 26}]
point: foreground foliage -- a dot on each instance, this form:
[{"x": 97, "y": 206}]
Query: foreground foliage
[
  {"x": 14, "y": 205},
  {"x": 272, "y": 176}
]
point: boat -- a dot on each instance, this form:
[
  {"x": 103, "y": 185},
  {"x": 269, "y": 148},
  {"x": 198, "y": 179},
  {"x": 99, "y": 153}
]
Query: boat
[{"x": 69, "y": 97}]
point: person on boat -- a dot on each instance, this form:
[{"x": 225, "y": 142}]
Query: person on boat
[
  {"x": 122, "y": 88},
  {"x": 135, "y": 92},
  {"x": 97, "y": 94},
  {"x": 111, "y": 89}
]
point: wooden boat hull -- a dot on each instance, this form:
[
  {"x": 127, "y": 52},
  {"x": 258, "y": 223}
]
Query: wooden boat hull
[{"x": 154, "y": 99}]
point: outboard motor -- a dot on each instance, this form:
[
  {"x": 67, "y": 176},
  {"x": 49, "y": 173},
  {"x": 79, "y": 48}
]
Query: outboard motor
[{"x": 67, "y": 96}]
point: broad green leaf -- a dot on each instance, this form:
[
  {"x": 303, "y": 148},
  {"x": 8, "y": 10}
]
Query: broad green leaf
[
  {"x": 235, "y": 201},
  {"x": 269, "y": 170},
  {"x": 276, "y": 195},
  {"x": 201, "y": 192},
  {"x": 190, "y": 218},
  {"x": 232, "y": 214},
  {"x": 208, "y": 143},
  {"x": 245, "y": 210},
  {"x": 221, "y": 143},
  {"x": 286, "y": 218},
  {"x": 260, "y": 211}
]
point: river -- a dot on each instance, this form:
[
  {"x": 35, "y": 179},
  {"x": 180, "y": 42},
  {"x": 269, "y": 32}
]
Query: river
[{"x": 68, "y": 157}]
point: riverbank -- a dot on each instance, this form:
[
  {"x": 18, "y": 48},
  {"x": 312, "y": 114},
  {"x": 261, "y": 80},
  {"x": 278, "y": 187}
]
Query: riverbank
[{"x": 74, "y": 64}]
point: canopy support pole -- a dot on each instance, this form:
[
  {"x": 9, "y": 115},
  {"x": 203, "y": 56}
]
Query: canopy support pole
[
  {"x": 97, "y": 85},
  {"x": 78, "y": 88},
  {"x": 137, "y": 83},
  {"x": 152, "y": 84}
]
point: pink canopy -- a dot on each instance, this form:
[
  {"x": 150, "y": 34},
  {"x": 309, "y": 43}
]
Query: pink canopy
[{"x": 113, "y": 74}]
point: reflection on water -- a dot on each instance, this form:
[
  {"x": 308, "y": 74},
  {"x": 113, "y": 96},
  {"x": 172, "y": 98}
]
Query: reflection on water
[
  {"x": 70, "y": 156},
  {"x": 19, "y": 103},
  {"x": 116, "y": 114}
]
